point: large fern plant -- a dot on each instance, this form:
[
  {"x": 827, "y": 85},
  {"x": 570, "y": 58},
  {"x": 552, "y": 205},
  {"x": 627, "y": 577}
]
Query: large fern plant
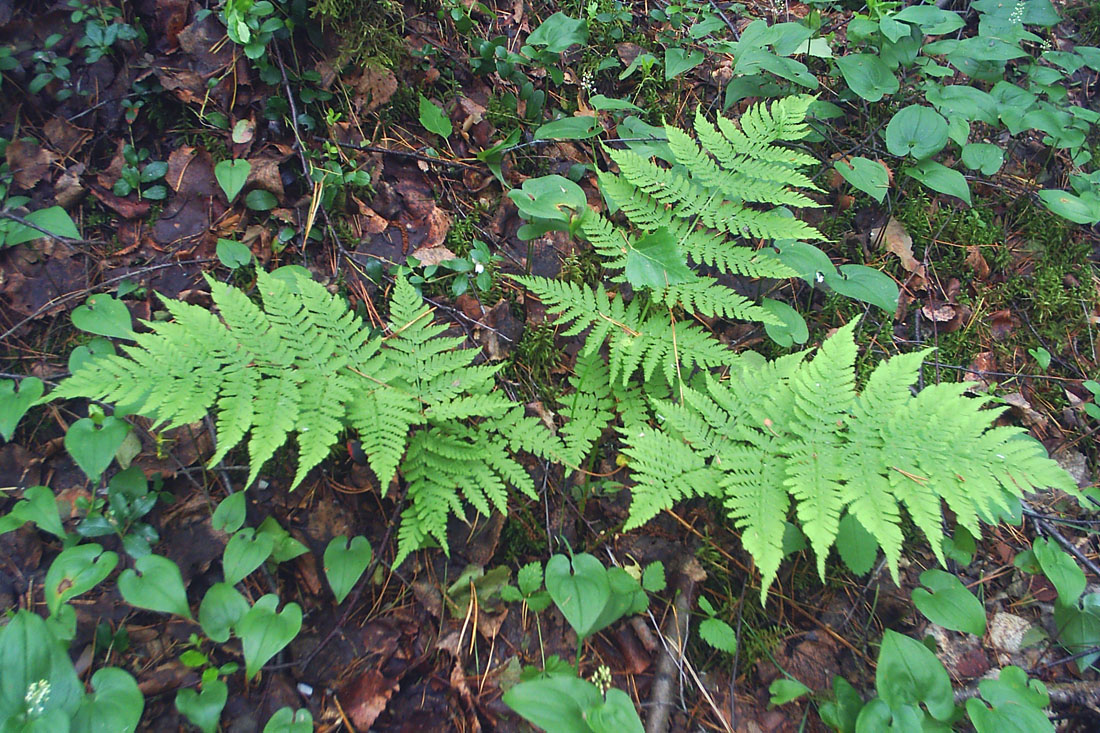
[
  {"x": 300, "y": 362},
  {"x": 725, "y": 189},
  {"x": 794, "y": 437}
]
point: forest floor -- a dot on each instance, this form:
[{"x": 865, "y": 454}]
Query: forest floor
[{"x": 350, "y": 177}]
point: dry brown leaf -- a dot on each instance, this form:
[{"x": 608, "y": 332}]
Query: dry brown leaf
[
  {"x": 374, "y": 88},
  {"x": 983, "y": 363},
  {"x": 977, "y": 262},
  {"x": 29, "y": 163},
  {"x": 1001, "y": 324},
  {"x": 433, "y": 255},
  {"x": 365, "y": 697},
  {"x": 895, "y": 239},
  {"x": 939, "y": 312}
]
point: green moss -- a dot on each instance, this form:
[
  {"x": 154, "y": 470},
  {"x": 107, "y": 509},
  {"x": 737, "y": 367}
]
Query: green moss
[
  {"x": 534, "y": 360},
  {"x": 369, "y": 32}
]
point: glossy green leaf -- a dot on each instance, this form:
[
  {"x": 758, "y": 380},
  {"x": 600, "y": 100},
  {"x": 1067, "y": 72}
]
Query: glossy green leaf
[
  {"x": 53, "y": 219},
  {"x": 1061, "y": 569},
  {"x": 221, "y": 609},
  {"x": 38, "y": 505},
  {"x": 679, "y": 60},
  {"x": 948, "y": 603},
  {"x": 785, "y": 689},
  {"x": 15, "y": 403},
  {"x": 265, "y": 632},
  {"x": 909, "y": 674},
  {"x": 939, "y": 177},
  {"x": 288, "y": 720},
  {"x": 115, "y": 704},
  {"x": 580, "y": 589},
  {"x": 159, "y": 587},
  {"x": 204, "y": 709},
  {"x": 1079, "y": 629},
  {"x": 656, "y": 261},
  {"x": 581, "y": 127},
  {"x": 983, "y": 157},
  {"x": 76, "y": 571},
  {"x": 866, "y": 175},
  {"x": 616, "y": 714},
  {"x": 557, "y": 703},
  {"x": 231, "y": 176},
  {"x": 230, "y": 514},
  {"x": 867, "y": 76},
  {"x": 103, "y": 315},
  {"x": 549, "y": 197},
  {"x": 245, "y": 551},
  {"x": 1078, "y": 209},
  {"x": 866, "y": 284},
  {"x": 916, "y": 130},
  {"x": 93, "y": 447},
  {"x": 558, "y": 32},
  {"x": 260, "y": 200},
  {"x": 434, "y": 119},
  {"x": 345, "y": 563},
  {"x": 931, "y": 20},
  {"x": 32, "y": 659},
  {"x": 792, "y": 328},
  {"x": 857, "y": 547},
  {"x": 233, "y": 254}
]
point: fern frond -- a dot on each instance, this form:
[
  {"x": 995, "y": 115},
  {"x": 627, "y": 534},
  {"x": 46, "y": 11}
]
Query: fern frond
[
  {"x": 665, "y": 471},
  {"x": 794, "y": 434},
  {"x": 588, "y": 410},
  {"x": 705, "y": 296}
]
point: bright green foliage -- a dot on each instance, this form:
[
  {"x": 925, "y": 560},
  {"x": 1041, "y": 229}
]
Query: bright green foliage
[
  {"x": 300, "y": 362},
  {"x": 636, "y": 340},
  {"x": 795, "y": 433}
]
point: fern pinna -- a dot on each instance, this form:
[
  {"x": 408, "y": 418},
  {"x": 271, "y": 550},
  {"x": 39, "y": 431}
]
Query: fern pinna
[
  {"x": 702, "y": 210},
  {"x": 795, "y": 434},
  {"x": 301, "y": 362}
]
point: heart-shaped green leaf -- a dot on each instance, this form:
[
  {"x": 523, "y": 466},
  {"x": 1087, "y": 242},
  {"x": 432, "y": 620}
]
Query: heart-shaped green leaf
[
  {"x": 1061, "y": 569},
  {"x": 288, "y": 720},
  {"x": 203, "y": 709},
  {"x": 230, "y": 514},
  {"x": 866, "y": 284},
  {"x": 81, "y": 355},
  {"x": 939, "y": 177},
  {"x": 29, "y": 656},
  {"x": 264, "y": 633},
  {"x": 345, "y": 563},
  {"x": 678, "y": 60},
  {"x": 581, "y": 590},
  {"x": 615, "y": 714},
  {"x": 104, "y": 316},
  {"x": 232, "y": 175},
  {"x": 656, "y": 261},
  {"x": 866, "y": 175},
  {"x": 984, "y": 157},
  {"x": 791, "y": 327},
  {"x": 556, "y": 703},
  {"x": 75, "y": 571},
  {"x": 14, "y": 404},
  {"x": 867, "y": 76},
  {"x": 909, "y": 674},
  {"x": 233, "y": 254},
  {"x": 260, "y": 200},
  {"x": 93, "y": 448},
  {"x": 116, "y": 704},
  {"x": 221, "y": 608},
  {"x": 158, "y": 588},
  {"x": 38, "y": 505},
  {"x": 245, "y": 551},
  {"x": 948, "y": 603},
  {"x": 916, "y": 130},
  {"x": 858, "y": 548}
]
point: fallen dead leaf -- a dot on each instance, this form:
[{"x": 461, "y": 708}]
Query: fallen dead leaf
[
  {"x": 939, "y": 312},
  {"x": 374, "y": 88},
  {"x": 983, "y": 363},
  {"x": 977, "y": 262},
  {"x": 433, "y": 255},
  {"x": 1030, "y": 416},
  {"x": 364, "y": 698},
  {"x": 29, "y": 163},
  {"x": 896, "y": 239},
  {"x": 1001, "y": 324}
]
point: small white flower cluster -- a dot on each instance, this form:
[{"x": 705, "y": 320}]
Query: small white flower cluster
[
  {"x": 601, "y": 678},
  {"x": 1017, "y": 15},
  {"x": 588, "y": 82},
  {"x": 37, "y": 694}
]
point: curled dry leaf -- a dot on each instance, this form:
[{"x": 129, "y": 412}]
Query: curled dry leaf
[
  {"x": 896, "y": 239},
  {"x": 977, "y": 262},
  {"x": 939, "y": 312},
  {"x": 1001, "y": 324},
  {"x": 979, "y": 369}
]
